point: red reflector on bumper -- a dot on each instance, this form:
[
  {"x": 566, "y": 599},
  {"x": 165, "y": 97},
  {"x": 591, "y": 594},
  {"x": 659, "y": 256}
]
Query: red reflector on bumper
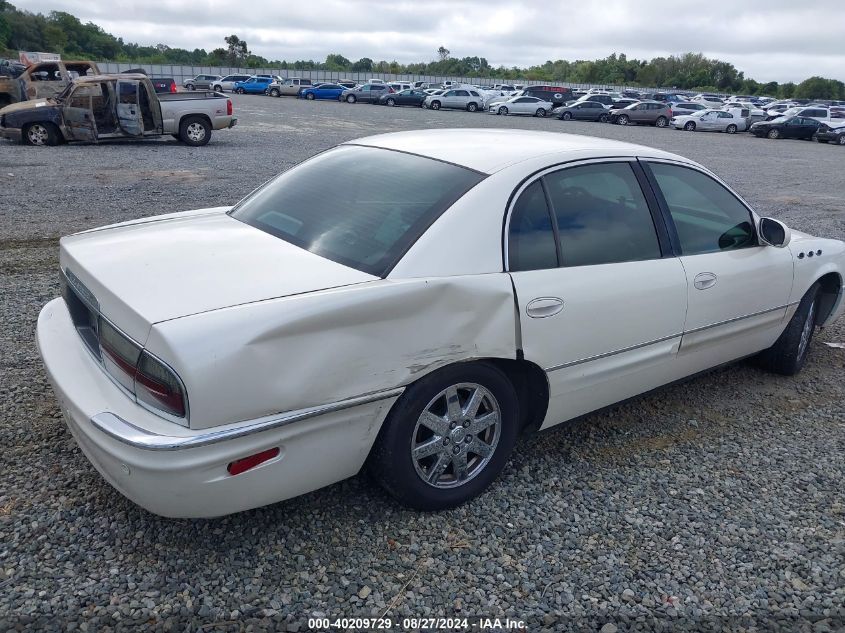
[{"x": 242, "y": 465}]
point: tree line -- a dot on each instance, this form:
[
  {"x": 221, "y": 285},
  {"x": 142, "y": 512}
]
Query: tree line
[{"x": 64, "y": 33}]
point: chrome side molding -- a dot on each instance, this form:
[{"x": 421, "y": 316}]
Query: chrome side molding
[{"x": 127, "y": 433}]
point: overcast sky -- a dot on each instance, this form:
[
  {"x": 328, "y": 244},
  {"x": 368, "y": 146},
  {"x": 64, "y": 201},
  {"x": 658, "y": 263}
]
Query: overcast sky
[{"x": 780, "y": 40}]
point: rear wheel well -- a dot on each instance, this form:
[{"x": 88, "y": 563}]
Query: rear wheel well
[
  {"x": 532, "y": 390},
  {"x": 204, "y": 117},
  {"x": 829, "y": 286}
]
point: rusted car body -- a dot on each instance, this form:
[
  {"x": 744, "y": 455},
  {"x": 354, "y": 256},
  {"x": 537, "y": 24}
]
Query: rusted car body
[
  {"x": 43, "y": 80},
  {"x": 116, "y": 106}
]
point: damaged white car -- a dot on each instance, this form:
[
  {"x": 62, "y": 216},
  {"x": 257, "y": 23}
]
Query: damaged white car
[{"x": 413, "y": 302}]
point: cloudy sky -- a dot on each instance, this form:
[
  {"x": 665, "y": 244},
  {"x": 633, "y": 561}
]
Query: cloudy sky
[{"x": 780, "y": 40}]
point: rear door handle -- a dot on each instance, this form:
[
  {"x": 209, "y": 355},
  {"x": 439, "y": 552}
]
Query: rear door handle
[
  {"x": 543, "y": 307},
  {"x": 703, "y": 281}
]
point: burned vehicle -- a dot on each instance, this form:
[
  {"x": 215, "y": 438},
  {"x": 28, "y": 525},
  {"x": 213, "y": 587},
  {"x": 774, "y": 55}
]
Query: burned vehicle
[
  {"x": 116, "y": 106},
  {"x": 40, "y": 81}
]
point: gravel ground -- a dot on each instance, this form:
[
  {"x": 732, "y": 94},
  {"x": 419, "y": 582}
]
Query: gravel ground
[{"x": 717, "y": 504}]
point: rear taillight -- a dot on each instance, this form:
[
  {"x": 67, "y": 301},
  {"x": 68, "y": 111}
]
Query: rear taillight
[
  {"x": 229, "y": 107},
  {"x": 119, "y": 355},
  {"x": 147, "y": 378},
  {"x": 172, "y": 86},
  {"x": 670, "y": 112},
  {"x": 157, "y": 386}
]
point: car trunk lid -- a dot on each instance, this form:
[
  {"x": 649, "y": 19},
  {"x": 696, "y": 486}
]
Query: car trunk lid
[{"x": 141, "y": 274}]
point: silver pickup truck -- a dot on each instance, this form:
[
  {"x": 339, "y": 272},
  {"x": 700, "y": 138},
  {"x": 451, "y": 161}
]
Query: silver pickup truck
[{"x": 116, "y": 106}]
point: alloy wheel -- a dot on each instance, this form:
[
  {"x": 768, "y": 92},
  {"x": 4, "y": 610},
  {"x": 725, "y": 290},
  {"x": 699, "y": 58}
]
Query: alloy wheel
[
  {"x": 38, "y": 134},
  {"x": 456, "y": 435},
  {"x": 195, "y": 132}
]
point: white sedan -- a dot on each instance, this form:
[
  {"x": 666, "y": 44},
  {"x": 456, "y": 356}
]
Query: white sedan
[
  {"x": 522, "y": 105},
  {"x": 709, "y": 121},
  {"x": 413, "y": 302}
]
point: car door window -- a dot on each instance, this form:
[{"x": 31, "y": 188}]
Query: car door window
[
  {"x": 462, "y": 93},
  {"x": 602, "y": 215},
  {"x": 707, "y": 217},
  {"x": 531, "y": 239}
]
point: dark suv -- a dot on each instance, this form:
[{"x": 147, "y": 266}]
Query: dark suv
[{"x": 558, "y": 95}]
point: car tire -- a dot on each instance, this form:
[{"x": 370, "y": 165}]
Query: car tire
[
  {"x": 435, "y": 105},
  {"x": 773, "y": 134},
  {"x": 218, "y": 88},
  {"x": 195, "y": 131},
  {"x": 689, "y": 126},
  {"x": 789, "y": 353},
  {"x": 541, "y": 112},
  {"x": 190, "y": 87},
  {"x": 840, "y": 140},
  {"x": 391, "y": 102},
  {"x": 623, "y": 119},
  {"x": 239, "y": 91},
  {"x": 472, "y": 107},
  {"x": 309, "y": 96},
  {"x": 503, "y": 110},
  {"x": 566, "y": 116},
  {"x": 406, "y": 473},
  {"x": 41, "y": 134},
  {"x": 662, "y": 121},
  {"x": 603, "y": 118},
  {"x": 731, "y": 129},
  {"x": 275, "y": 93},
  {"x": 350, "y": 99}
]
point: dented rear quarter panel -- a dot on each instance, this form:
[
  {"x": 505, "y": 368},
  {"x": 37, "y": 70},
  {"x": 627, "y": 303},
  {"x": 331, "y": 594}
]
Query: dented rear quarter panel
[{"x": 262, "y": 358}]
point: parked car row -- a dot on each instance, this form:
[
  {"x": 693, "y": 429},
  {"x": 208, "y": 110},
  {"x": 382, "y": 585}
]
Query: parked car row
[{"x": 702, "y": 112}]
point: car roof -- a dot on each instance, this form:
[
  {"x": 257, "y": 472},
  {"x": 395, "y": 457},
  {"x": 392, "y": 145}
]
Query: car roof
[
  {"x": 489, "y": 151},
  {"x": 111, "y": 77}
]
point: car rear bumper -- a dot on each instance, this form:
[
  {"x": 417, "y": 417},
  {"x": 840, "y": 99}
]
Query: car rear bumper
[
  {"x": 179, "y": 472},
  {"x": 830, "y": 136}
]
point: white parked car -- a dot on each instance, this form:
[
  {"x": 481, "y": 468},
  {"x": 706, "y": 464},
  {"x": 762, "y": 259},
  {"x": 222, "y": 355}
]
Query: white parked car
[
  {"x": 228, "y": 82},
  {"x": 710, "y": 121},
  {"x": 522, "y": 105},
  {"x": 222, "y": 359},
  {"x": 456, "y": 98},
  {"x": 754, "y": 113},
  {"x": 710, "y": 100},
  {"x": 501, "y": 98}
]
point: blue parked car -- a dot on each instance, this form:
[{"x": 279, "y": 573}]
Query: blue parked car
[
  {"x": 253, "y": 85},
  {"x": 322, "y": 91}
]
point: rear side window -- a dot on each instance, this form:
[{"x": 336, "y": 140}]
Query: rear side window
[
  {"x": 360, "y": 206},
  {"x": 707, "y": 217},
  {"x": 531, "y": 238},
  {"x": 602, "y": 215}
]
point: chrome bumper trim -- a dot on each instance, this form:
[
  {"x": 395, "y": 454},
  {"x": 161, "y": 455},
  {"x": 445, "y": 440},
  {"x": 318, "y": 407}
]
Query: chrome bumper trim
[{"x": 127, "y": 433}]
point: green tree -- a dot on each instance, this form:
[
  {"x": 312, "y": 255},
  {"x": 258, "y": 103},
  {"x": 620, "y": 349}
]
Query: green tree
[
  {"x": 443, "y": 53},
  {"x": 363, "y": 65},
  {"x": 335, "y": 61},
  {"x": 237, "y": 50},
  {"x": 820, "y": 88}
]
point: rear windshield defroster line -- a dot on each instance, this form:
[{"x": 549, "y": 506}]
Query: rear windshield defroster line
[{"x": 360, "y": 206}]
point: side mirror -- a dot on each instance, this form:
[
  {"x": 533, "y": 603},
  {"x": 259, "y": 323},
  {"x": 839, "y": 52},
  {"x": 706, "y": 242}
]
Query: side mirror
[{"x": 774, "y": 232}]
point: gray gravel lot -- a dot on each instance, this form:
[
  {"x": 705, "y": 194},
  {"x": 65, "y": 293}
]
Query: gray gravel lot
[{"x": 716, "y": 504}]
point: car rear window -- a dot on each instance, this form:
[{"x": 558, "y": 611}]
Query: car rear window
[{"x": 363, "y": 207}]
